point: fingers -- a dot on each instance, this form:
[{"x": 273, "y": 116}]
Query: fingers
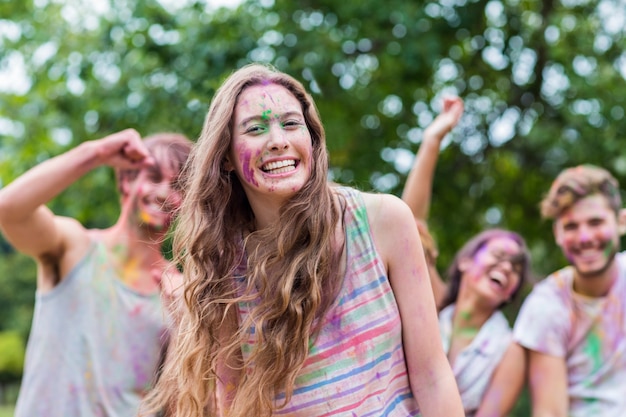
[
  {"x": 134, "y": 150},
  {"x": 453, "y": 107},
  {"x": 137, "y": 155},
  {"x": 125, "y": 150},
  {"x": 446, "y": 120}
]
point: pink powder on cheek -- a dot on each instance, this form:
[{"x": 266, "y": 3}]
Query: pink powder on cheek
[
  {"x": 610, "y": 246},
  {"x": 568, "y": 255},
  {"x": 248, "y": 171},
  {"x": 478, "y": 261}
]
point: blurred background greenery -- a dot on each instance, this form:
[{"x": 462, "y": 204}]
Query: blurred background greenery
[{"x": 543, "y": 84}]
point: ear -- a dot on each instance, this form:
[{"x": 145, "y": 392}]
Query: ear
[
  {"x": 557, "y": 232},
  {"x": 621, "y": 222},
  {"x": 465, "y": 264},
  {"x": 228, "y": 166},
  {"x": 124, "y": 185}
]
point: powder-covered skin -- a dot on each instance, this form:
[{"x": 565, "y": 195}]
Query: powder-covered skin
[
  {"x": 586, "y": 233},
  {"x": 269, "y": 129},
  {"x": 495, "y": 260},
  {"x": 152, "y": 199}
]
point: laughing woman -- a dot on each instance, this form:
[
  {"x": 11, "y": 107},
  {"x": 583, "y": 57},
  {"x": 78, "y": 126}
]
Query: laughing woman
[
  {"x": 298, "y": 297},
  {"x": 486, "y": 273}
]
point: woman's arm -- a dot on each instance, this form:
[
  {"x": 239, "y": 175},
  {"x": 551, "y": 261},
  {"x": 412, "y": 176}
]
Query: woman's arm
[
  {"x": 418, "y": 187},
  {"x": 506, "y": 384},
  {"x": 430, "y": 251},
  {"x": 397, "y": 240}
]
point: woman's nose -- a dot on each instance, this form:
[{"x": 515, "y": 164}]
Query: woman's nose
[{"x": 277, "y": 138}]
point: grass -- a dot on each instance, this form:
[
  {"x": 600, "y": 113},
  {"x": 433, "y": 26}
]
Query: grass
[{"x": 6, "y": 411}]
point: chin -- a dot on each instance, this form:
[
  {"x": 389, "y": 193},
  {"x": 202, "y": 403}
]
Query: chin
[
  {"x": 595, "y": 272},
  {"x": 155, "y": 227}
]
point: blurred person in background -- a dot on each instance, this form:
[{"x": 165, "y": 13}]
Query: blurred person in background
[
  {"x": 486, "y": 273},
  {"x": 573, "y": 323},
  {"x": 100, "y": 326}
]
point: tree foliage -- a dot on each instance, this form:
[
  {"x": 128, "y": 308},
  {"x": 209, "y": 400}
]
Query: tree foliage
[
  {"x": 543, "y": 84},
  {"x": 12, "y": 358}
]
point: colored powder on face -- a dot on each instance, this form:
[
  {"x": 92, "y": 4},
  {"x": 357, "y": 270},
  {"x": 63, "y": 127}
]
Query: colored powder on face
[
  {"x": 248, "y": 171},
  {"x": 145, "y": 217},
  {"x": 609, "y": 247},
  {"x": 479, "y": 261},
  {"x": 569, "y": 256},
  {"x": 266, "y": 115}
]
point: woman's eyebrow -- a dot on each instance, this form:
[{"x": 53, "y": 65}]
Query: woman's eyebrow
[{"x": 265, "y": 117}]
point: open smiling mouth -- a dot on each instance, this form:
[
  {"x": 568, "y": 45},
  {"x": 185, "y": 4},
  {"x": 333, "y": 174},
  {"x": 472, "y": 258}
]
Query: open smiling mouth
[
  {"x": 279, "y": 167},
  {"x": 498, "y": 279},
  {"x": 158, "y": 207}
]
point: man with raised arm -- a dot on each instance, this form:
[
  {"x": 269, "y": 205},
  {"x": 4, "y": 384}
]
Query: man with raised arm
[{"x": 100, "y": 324}]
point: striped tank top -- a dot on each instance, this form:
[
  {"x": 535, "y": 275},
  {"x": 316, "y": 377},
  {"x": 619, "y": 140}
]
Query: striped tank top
[{"x": 356, "y": 365}]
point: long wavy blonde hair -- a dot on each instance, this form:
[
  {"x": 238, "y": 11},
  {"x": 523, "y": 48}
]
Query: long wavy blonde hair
[{"x": 291, "y": 270}]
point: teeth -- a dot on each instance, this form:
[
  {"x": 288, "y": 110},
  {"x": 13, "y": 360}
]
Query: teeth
[
  {"x": 278, "y": 167},
  {"x": 588, "y": 252},
  {"x": 497, "y": 277},
  {"x": 155, "y": 206}
]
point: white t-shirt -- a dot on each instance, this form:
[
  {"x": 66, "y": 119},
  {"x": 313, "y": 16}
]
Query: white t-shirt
[
  {"x": 589, "y": 333},
  {"x": 475, "y": 364}
]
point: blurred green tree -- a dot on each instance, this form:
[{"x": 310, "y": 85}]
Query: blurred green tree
[
  {"x": 543, "y": 84},
  {"x": 11, "y": 361}
]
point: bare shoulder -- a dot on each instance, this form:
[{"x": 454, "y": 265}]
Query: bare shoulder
[
  {"x": 390, "y": 220},
  {"x": 387, "y": 210},
  {"x": 73, "y": 231},
  {"x": 72, "y": 236}
]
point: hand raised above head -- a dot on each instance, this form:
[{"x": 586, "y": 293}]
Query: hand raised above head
[
  {"x": 450, "y": 115},
  {"x": 124, "y": 150}
]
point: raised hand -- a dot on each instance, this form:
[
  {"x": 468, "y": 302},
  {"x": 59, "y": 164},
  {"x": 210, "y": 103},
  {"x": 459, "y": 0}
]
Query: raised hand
[
  {"x": 123, "y": 150},
  {"x": 450, "y": 115}
]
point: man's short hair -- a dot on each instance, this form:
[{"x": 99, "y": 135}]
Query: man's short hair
[
  {"x": 576, "y": 183},
  {"x": 169, "y": 150}
]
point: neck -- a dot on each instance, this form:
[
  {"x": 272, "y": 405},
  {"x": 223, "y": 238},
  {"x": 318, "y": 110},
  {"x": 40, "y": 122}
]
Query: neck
[
  {"x": 468, "y": 318},
  {"x": 136, "y": 255},
  {"x": 596, "y": 285},
  {"x": 265, "y": 213}
]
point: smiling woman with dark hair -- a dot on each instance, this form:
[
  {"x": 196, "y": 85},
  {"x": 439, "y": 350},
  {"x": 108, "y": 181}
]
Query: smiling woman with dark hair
[{"x": 486, "y": 274}]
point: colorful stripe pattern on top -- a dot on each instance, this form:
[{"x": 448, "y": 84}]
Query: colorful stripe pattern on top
[{"x": 356, "y": 366}]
